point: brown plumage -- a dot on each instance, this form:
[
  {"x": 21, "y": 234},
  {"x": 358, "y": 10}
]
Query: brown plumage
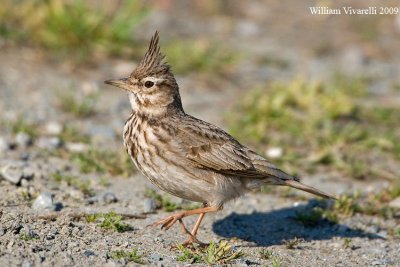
[{"x": 185, "y": 156}]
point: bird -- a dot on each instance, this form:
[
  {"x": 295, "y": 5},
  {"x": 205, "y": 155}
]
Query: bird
[{"x": 185, "y": 156}]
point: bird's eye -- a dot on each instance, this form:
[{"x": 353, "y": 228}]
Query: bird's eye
[{"x": 148, "y": 84}]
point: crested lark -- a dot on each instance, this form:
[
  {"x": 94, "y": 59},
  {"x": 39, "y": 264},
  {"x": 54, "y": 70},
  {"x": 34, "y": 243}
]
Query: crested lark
[{"x": 185, "y": 156}]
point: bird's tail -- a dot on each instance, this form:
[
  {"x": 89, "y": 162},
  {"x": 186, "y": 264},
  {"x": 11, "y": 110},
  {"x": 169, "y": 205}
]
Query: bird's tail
[{"x": 309, "y": 189}]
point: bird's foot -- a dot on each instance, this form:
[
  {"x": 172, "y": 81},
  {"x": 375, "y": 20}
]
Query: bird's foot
[
  {"x": 166, "y": 223},
  {"x": 191, "y": 243},
  {"x": 193, "y": 240}
]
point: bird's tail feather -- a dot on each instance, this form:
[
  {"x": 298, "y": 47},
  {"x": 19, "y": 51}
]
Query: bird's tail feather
[{"x": 309, "y": 189}]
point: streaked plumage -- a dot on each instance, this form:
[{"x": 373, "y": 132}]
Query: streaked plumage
[{"x": 185, "y": 156}]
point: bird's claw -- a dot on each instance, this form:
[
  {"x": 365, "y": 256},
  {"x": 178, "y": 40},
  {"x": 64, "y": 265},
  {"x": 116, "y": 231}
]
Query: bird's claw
[{"x": 168, "y": 222}]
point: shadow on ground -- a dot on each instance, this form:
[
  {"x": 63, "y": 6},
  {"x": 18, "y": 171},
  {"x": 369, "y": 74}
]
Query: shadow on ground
[{"x": 274, "y": 227}]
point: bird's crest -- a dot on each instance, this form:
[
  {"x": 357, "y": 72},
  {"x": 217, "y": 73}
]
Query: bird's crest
[{"x": 153, "y": 61}]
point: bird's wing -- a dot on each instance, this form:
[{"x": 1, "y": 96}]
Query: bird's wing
[{"x": 208, "y": 146}]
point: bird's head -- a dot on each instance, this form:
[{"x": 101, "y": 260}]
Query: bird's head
[{"x": 151, "y": 87}]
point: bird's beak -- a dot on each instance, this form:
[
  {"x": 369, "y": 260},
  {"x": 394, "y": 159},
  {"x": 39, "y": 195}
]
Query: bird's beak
[{"x": 121, "y": 83}]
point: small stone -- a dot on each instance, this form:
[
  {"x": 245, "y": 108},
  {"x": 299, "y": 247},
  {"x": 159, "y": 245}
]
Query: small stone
[
  {"x": 49, "y": 143},
  {"x": 109, "y": 197},
  {"x": 25, "y": 183},
  {"x": 44, "y": 202},
  {"x": 88, "y": 253},
  {"x": 274, "y": 152},
  {"x": 395, "y": 203},
  {"x": 28, "y": 173},
  {"x": 155, "y": 257},
  {"x": 26, "y": 264},
  {"x": 53, "y": 128},
  {"x": 2, "y": 231},
  {"x": 4, "y": 144},
  {"x": 23, "y": 139},
  {"x": 12, "y": 173},
  {"x": 25, "y": 156},
  {"x": 149, "y": 205},
  {"x": 92, "y": 200},
  {"x": 76, "y": 147},
  {"x": 52, "y": 234}
]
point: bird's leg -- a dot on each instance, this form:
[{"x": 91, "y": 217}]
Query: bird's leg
[
  {"x": 170, "y": 220},
  {"x": 192, "y": 235}
]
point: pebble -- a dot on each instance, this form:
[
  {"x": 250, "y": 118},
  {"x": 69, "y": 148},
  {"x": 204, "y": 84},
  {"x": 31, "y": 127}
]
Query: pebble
[
  {"x": 155, "y": 257},
  {"x": 149, "y": 205},
  {"x": 395, "y": 203},
  {"x": 25, "y": 183},
  {"x": 53, "y": 128},
  {"x": 26, "y": 264},
  {"x": 76, "y": 147},
  {"x": 12, "y": 173},
  {"x": 23, "y": 139},
  {"x": 49, "y": 143},
  {"x": 89, "y": 253},
  {"x": 52, "y": 234},
  {"x": 274, "y": 152},
  {"x": 4, "y": 144},
  {"x": 44, "y": 202},
  {"x": 109, "y": 197}
]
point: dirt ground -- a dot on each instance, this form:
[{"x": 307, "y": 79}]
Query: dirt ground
[{"x": 314, "y": 46}]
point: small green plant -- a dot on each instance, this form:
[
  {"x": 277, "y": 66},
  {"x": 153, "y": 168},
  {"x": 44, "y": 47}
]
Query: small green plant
[
  {"x": 110, "y": 221},
  {"x": 129, "y": 256},
  {"x": 91, "y": 218},
  {"x": 346, "y": 242},
  {"x": 266, "y": 254},
  {"x": 293, "y": 243},
  {"x": 214, "y": 253},
  {"x": 188, "y": 255},
  {"x": 276, "y": 262},
  {"x": 75, "y": 182},
  {"x": 221, "y": 253},
  {"x": 23, "y": 235},
  {"x": 113, "y": 221},
  {"x": 79, "y": 106}
]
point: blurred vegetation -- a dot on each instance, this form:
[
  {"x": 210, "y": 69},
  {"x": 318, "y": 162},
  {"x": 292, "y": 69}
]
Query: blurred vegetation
[
  {"x": 80, "y": 107},
  {"x": 103, "y": 161},
  {"x": 76, "y": 182},
  {"x": 72, "y": 27},
  {"x": 375, "y": 204},
  {"x": 321, "y": 125},
  {"x": 199, "y": 55},
  {"x": 81, "y": 30}
]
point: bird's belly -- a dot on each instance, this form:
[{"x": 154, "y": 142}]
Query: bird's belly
[{"x": 172, "y": 179}]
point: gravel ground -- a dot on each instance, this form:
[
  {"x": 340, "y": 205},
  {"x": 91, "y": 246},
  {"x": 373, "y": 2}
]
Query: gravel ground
[{"x": 42, "y": 219}]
